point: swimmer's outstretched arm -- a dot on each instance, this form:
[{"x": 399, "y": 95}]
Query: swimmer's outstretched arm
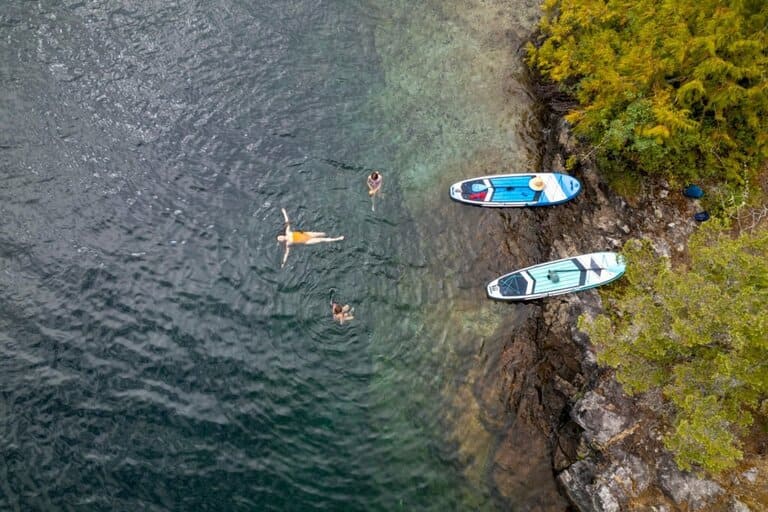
[
  {"x": 285, "y": 255},
  {"x": 285, "y": 214}
]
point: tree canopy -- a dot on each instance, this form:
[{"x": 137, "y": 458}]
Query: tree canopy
[
  {"x": 665, "y": 87},
  {"x": 700, "y": 334}
]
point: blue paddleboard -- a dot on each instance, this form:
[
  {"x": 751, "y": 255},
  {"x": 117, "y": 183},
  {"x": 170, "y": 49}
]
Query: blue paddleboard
[
  {"x": 510, "y": 190},
  {"x": 557, "y": 277}
]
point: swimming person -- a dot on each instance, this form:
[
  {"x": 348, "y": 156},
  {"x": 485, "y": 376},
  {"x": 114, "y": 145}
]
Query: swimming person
[
  {"x": 341, "y": 313},
  {"x": 374, "y": 182},
  {"x": 301, "y": 237}
]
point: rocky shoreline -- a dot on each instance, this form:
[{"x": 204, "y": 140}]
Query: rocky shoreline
[{"x": 605, "y": 447}]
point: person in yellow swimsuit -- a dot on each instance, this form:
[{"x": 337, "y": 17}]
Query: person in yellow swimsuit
[{"x": 292, "y": 237}]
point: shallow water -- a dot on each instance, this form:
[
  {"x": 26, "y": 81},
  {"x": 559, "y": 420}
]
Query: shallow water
[{"x": 154, "y": 354}]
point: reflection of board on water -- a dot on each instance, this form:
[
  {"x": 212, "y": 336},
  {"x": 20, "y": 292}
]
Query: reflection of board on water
[
  {"x": 558, "y": 277},
  {"x": 516, "y": 190}
]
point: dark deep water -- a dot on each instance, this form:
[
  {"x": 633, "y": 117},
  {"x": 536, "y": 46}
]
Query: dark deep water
[{"x": 153, "y": 355}]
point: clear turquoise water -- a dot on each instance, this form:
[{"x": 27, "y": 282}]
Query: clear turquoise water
[{"x": 154, "y": 354}]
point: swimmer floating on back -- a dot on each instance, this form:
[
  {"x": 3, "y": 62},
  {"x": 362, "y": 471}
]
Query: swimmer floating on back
[{"x": 301, "y": 237}]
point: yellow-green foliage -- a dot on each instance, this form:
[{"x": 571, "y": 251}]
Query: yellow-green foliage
[
  {"x": 698, "y": 333},
  {"x": 665, "y": 86}
]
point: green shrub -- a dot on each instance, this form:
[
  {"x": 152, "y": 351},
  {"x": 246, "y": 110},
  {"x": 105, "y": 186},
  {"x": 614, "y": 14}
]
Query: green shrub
[
  {"x": 665, "y": 87},
  {"x": 700, "y": 334}
]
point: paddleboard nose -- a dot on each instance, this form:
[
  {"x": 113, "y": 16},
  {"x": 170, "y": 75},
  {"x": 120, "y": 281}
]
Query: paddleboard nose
[
  {"x": 574, "y": 185},
  {"x": 619, "y": 266}
]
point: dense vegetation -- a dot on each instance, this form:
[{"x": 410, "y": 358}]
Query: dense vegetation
[
  {"x": 679, "y": 89},
  {"x": 665, "y": 87},
  {"x": 700, "y": 334}
]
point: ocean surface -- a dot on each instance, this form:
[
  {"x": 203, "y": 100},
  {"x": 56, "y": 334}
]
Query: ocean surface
[{"x": 153, "y": 354}]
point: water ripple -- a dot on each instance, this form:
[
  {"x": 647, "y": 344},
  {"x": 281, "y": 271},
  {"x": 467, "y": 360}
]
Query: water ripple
[{"x": 155, "y": 356}]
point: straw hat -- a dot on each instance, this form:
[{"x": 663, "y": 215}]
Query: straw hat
[{"x": 537, "y": 183}]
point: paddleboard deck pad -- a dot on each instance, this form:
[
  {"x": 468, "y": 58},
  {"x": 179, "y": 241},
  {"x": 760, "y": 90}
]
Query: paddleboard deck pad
[
  {"x": 517, "y": 190},
  {"x": 558, "y": 277}
]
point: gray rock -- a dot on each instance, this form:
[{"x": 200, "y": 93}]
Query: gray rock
[
  {"x": 564, "y": 387},
  {"x": 557, "y": 163},
  {"x": 750, "y": 475},
  {"x": 598, "y": 418},
  {"x": 626, "y": 478},
  {"x": 661, "y": 247},
  {"x": 737, "y": 506},
  {"x": 605, "y": 500},
  {"x": 629, "y": 476},
  {"x": 604, "y": 220},
  {"x": 592, "y": 491},
  {"x": 564, "y": 137},
  {"x": 683, "y": 487},
  {"x": 577, "y": 481}
]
